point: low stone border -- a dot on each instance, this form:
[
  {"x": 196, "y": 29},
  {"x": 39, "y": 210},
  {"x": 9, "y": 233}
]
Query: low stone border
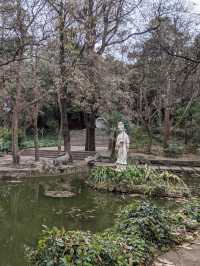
[
  {"x": 148, "y": 159},
  {"x": 17, "y": 173},
  {"x": 8, "y": 172}
]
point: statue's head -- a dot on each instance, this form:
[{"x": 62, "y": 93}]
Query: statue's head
[{"x": 121, "y": 126}]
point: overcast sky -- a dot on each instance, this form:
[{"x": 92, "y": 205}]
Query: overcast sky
[{"x": 195, "y": 5}]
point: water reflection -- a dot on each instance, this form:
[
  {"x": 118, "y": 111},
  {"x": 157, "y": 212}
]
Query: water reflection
[{"x": 24, "y": 209}]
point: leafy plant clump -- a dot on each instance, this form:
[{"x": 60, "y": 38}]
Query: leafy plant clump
[
  {"x": 139, "y": 232},
  {"x": 192, "y": 210},
  {"x": 6, "y": 139},
  {"x": 138, "y": 180},
  {"x": 151, "y": 223},
  {"x": 187, "y": 219},
  {"x": 76, "y": 248},
  {"x": 189, "y": 216}
]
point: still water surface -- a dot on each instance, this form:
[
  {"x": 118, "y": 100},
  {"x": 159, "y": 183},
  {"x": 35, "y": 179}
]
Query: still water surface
[{"x": 24, "y": 209}]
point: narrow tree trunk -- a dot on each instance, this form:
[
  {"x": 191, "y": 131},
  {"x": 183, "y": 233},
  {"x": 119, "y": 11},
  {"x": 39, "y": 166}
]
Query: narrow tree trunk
[
  {"x": 65, "y": 96},
  {"x": 15, "y": 118},
  {"x": 36, "y": 139},
  {"x": 65, "y": 126},
  {"x": 90, "y": 27},
  {"x": 60, "y": 139},
  {"x": 15, "y": 115},
  {"x": 167, "y": 111},
  {"x": 60, "y": 127},
  {"x": 149, "y": 146},
  {"x": 110, "y": 141},
  {"x": 36, "y": 108},
  {"x": 15, "y": 144},
  {"x": 90, "y": 143},
  {"x": 167, "y": 127},
  {"x": 90, "y": 139},
  {"x": 185, "y": 134},
  {"x": 113, "y": 148}
]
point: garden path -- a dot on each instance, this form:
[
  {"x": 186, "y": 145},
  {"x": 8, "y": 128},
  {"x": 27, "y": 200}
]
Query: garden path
[{"x": 187, "y": 255}]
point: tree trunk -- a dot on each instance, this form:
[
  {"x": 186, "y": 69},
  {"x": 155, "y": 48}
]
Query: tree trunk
[
  {"x": 65, "y": 126},
  {"x": 90, "y": 144},
  {"x": 110, "y": 142},
  {"x": 15, "y": 144},
  {"x": 90, "y": 27},
  {"x": 90, "y": 139},
  {"x": 149, "y": 146},
  {"x": 36, "y": 139},
  {"x": 167, "y": 127},
  {"x": 64, "y": 94},
  {"x": 15, "y": 117},
  {"x": 167, "y": 112},
  {"x": 60, "y": 126},
  {"x": 113, "y": 148},
  {"x": 150, "y": 136}
]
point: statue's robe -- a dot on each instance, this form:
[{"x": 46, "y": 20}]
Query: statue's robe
[{"x": 122, "y": 146}]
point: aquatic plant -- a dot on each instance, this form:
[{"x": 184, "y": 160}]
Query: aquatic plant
[{"x": 138, "y": 180}]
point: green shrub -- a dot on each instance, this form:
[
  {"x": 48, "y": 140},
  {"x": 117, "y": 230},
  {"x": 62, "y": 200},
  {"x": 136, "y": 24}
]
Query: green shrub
[
  {"x": 188, "y": 218},
  {"x": 173, "y": 150},
  {"x": 6, "y": 139},
  {"x": 57, "y": 248},
  {"x": 138, "y": 180},
  {"x": 47, "y": 141},
  {"x": 60, "y": 248},
  {"x": 192, "y": 210},
  {"x": 151, "y": 223},
  {"x": 113, "y": 118},
  {"x": 133, "y": 174},
  {"x": 140, "y": 138}
]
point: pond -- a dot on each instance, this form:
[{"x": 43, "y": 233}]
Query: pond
[{"x": 24, "y": 209}]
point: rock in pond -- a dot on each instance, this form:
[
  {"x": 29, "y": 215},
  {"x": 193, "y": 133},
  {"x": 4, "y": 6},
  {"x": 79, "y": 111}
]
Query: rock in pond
[
  {"x": 59, "y": 194},
  {"x": 14, "y": 181}
]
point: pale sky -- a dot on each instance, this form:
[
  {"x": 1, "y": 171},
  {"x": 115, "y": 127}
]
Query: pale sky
[{"x": 195, "y": 5}]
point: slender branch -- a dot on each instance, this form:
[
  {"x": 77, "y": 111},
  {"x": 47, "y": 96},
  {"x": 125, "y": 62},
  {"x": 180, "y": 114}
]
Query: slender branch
[{"x": 185, "y": 57}]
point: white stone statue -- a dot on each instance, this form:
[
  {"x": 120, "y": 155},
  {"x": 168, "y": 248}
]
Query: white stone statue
[{"x": 122, "y": 146}]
